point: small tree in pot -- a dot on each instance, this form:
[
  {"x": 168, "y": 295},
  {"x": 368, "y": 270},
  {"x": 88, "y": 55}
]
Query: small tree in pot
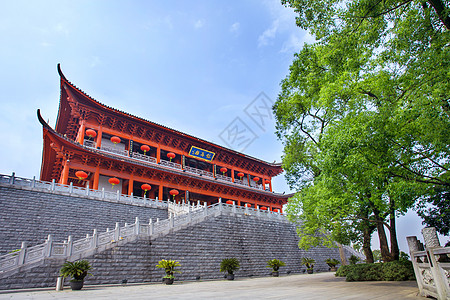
[
  {"x": 169, "y": 267},
  {"x": 77, "y": 270},
  {"x": 309, "y": 264},
  {"x": 275, "y": 264},
  {"x": 332, "y": 263},
  {"x": 229, "y": 265}
]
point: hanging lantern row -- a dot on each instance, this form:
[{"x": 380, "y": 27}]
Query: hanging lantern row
[
  {"x": 91, "y": 133},
  {"x": 263, "y": 208},
  {"x": 240, "y": 174},
  {"x": 171, "y": 155},
  {"x": 223, "y": 170},
  {"x": 174, "y": 193},
  {"x": 115, "y": 140},
  {"x": 113, "y": 181},
  {"x": 145, "y": 148},
  {"x": 255, "y": 179}
]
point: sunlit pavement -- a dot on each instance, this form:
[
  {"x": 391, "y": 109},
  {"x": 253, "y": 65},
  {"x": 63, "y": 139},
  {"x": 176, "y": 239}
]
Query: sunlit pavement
[{"x": 315, "y": 286}]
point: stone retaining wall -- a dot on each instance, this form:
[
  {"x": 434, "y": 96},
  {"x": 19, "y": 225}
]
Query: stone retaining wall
[{"x": 30, "y": 216}]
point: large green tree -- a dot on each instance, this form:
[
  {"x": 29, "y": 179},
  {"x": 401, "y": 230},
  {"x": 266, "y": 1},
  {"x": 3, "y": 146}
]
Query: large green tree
[{"x": 364, "y": 115}]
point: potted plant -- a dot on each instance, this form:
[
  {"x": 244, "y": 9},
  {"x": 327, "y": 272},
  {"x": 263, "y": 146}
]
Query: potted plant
[
  {"x": 309, "y": 264},
  {"x": 169, "y": 267},
  {"x": 332, "y": 263},
  {"x": 229, "y": 265},
  {"x": 77, "y": 270},
  {"x": 275, "y": 264}
]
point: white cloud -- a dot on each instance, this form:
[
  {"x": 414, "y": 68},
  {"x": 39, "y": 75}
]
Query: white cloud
[
  {"x": 269, "y": 34},
  {"x": 235, "y": 27},
  {"x": 295, "y": 41},
  {"x": 199, "y": 24}
]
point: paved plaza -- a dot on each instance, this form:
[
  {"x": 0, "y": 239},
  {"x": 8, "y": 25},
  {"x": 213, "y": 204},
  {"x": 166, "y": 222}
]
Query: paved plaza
[{"x": 315, "y": 286}]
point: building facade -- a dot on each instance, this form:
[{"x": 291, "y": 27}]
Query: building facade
[{"x": 101, "y": 147}]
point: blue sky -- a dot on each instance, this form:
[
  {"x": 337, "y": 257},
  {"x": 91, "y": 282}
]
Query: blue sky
[{"x": 196, "y": 66}]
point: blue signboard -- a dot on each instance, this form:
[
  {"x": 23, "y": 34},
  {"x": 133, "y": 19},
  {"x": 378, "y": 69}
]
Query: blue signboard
[{"x": 201, "y": 153}]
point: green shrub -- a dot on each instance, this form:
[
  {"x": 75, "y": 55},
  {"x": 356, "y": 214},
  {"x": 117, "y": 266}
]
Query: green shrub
[
  {"x": 342, "y": 271},
  {"x": 398, "y": 270},
  {"x": 390, "y": 271}
]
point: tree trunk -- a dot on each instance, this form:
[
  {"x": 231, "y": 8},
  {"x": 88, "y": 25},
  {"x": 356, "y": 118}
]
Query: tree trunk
[
  {"x": 384, "y": 247},
  {"x": 367, "y": 234},
  {"x": 342, "y": 255},
  {"x": 395, "y": 252}
]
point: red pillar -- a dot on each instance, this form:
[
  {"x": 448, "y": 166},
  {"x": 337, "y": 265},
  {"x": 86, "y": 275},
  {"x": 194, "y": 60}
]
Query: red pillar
[
  {"x": 65, "y": 173},
  {"x": 130, "y": 185},
  {"x": 232, "y": 175},
  {"x": 80, "y": 137},
  {"x": 98, "y": 143},
  {"x": 160, "y": 193},
  {"x": 158, "y": 154},
  {"x": 96, "y": 178}
]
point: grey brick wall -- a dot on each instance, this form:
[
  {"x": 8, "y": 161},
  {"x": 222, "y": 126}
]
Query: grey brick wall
[
  {"x": 198, "y": 248},
  {"x": 31, "y": 216}
]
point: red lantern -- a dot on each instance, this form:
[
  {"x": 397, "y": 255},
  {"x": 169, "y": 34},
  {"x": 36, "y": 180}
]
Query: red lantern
[
  {"x": 91, "y": 133},
  {"x": 145, "y": 148},
  {"x": 115, "y": 140},
  {"x": 240, "y": 174},
  {"x": 267, "y": 181},
  {"x": 248, "y": 205},
  {"x": 229, "y": 202},
  {"x": 263, "y": 208},
  {"x": 255, "y": 179},
  {"x": 223, "y": 170},
  {"x": 171, "y": 155},
  {"x": 276, "y": 210},
  {"x": 146, "y": 187},
  {"x": 174, "y": 193},
  {"x": 114, "y": 181},
  {"x": 81, "y": 175}
]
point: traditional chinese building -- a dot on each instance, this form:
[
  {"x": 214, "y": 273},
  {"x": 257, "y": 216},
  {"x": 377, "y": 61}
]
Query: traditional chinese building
[{"x": 101, "y": 147}]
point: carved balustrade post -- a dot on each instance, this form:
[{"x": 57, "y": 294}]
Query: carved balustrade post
[
  {"x": 22, "y": 253},
  {"x": 48, "y": 246},
  {"x": 69, "y": 246},
  {"x": 137, "y": 226}
]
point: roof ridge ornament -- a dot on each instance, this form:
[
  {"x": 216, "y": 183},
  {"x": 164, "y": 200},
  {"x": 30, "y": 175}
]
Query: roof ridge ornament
[{"x": 60, "y": 72}]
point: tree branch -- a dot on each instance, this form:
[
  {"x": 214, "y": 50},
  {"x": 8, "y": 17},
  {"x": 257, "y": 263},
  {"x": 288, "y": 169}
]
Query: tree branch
[
  {"x": 440, "y": 10},
  {"x": 304, "y": 131}
]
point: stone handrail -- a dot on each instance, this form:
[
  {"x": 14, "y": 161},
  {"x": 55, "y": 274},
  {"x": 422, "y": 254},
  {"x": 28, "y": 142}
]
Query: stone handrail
[
  {"x": 431, "y": 265},
  {"x": 81, "y": 191},
  {"x": 176, "y": 209}
]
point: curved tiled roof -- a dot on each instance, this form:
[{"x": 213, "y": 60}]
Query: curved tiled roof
[{"x": 125, "y": 114}]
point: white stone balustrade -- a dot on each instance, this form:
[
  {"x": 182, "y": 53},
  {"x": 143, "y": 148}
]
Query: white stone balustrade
[
  {"x": 81, "y": 191},
  {"x": 431, "y": 265}
]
